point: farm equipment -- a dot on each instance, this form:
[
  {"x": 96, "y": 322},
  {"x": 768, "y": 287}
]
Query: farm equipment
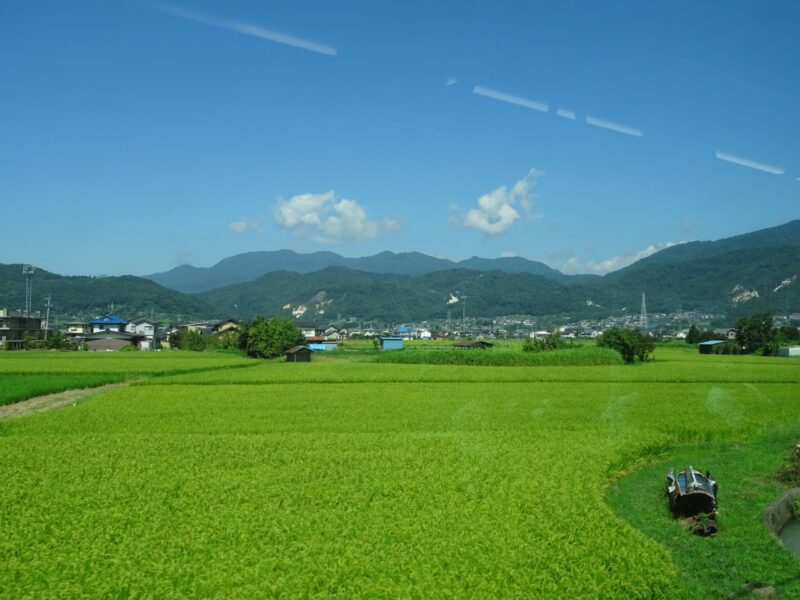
[{"x": 693, "y": 496}]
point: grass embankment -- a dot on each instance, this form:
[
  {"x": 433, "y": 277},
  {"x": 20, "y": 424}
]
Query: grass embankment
[
  {"x": 582, "y": 355},
  {"x": 21, "y": 386}
]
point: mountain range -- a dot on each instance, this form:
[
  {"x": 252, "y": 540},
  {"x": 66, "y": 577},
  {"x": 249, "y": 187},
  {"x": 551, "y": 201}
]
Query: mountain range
[
  {"x": 744, "y": 273},
  {"x": 250, "y": 265}
]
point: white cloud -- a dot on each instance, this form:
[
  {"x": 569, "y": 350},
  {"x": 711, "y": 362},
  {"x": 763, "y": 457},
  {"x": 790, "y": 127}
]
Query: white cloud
[
  {"x": 248, "y": 29},
  {"x": 614, "y": 263},
  {"x": 497, "y": 210},
  {"x": 243, "y": 225},
  {"x": 509, "y": 253},
  {"x": 328, "y": 219}
]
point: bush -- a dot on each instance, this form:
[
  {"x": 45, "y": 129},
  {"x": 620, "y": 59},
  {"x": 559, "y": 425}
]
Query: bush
[
  {"x": 631, "y": 344},
  {"x": 186, "y": 339},
  {"x": 728, "y": 347},
  {"x": 549, "y": 343}
]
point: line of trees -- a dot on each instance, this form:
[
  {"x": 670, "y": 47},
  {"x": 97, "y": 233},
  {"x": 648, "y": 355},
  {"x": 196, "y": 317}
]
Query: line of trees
[
  {"x": 259, "y": 338},
  {"x": 755, "y": 333}
]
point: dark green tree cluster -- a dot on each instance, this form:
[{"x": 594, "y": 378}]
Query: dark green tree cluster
[
  {"x": 695, "y": 335},
  {"x": 756, "y": 333},
  {"x": 269, "y": 338},
  {"x": 631, "y": 344},
  {"x": 187, "y": 339},
  {"x": 788, "y": 335},
  {"x": 55, "y": 340}
]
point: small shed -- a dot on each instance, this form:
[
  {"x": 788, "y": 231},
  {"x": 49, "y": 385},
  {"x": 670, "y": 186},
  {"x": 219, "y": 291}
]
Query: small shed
[
  {"x": 299, "y": 354},
  {"x": 391, "y": 343},
  {"x": 708, "y": 347},
  {"x": 790, "y": 351},
  {"x": 481, "y": 344}
]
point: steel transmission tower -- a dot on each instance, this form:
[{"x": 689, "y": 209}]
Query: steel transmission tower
[{"x": 643, "y": 318}]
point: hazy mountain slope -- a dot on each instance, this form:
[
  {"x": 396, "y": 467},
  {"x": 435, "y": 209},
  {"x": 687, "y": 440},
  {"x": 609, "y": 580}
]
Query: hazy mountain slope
[
  {"x": 248, "y": 266},
  {"x": 785, "y": 235}
]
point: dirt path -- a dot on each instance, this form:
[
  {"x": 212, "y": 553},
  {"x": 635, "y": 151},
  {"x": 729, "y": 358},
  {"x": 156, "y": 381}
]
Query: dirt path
[{"x": 50, "y": 401}]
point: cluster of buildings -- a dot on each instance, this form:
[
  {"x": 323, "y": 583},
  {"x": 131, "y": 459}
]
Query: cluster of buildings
[{"x": 110, "y": 332}]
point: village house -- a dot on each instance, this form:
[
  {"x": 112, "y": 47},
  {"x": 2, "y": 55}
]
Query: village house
[
  {"x": 108, "y": 322},
  {"x": 77, "y": 329},
  {"x": 309, "y": 329}
]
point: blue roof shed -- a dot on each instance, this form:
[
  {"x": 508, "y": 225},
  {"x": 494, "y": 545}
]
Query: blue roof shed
[
  {"x": 708, "y": 347},
  {"x": 391, "y": 343}
]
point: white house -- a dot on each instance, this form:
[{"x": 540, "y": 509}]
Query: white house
[{"x": 143, "y": 326}]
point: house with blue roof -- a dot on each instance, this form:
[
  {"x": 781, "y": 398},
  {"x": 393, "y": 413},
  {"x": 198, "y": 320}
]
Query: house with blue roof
[{"x": 108, "y": 322}]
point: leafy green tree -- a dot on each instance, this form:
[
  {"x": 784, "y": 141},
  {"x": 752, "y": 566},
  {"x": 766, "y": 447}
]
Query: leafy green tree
[
  {"x": 755, "y": 333},
  {"x": 56, "y": 341},
  {"x": 187, "y": 339},
  {"x": 271, "y": 338},
  {"x": 788, "y": 334},
  {"x": 631, "y": 344}
]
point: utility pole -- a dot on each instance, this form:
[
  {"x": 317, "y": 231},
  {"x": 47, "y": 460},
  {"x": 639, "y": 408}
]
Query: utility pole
[
  {"x": 464, "y": 315},
  {"x": 27, "y": 271},
  {"x": 47, "y": 317}
]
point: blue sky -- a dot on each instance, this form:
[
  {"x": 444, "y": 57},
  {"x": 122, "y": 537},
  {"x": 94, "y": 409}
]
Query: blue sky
[{"x": 136, "y": 136}]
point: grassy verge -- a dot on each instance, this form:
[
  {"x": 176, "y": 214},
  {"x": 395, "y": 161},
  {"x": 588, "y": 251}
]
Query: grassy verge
[
  {"x": 743, "y": 553},
  {"x": 17, "y": 386}
]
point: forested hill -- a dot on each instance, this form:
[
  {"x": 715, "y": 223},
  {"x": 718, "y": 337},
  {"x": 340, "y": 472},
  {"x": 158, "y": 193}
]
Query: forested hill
[
  {"x": 734, "y": 283},
  {"x": 337, "y": 291},
  {"x": 88, "y": 296}
]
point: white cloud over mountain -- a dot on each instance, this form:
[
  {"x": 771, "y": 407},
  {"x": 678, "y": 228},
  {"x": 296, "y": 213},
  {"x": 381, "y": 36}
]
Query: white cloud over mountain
[
  {"x": 614, "y": 263},
  {"x": 327, "y": 219}
]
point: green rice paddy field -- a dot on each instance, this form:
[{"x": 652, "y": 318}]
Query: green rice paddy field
[{"x": 215, "y": 476}]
